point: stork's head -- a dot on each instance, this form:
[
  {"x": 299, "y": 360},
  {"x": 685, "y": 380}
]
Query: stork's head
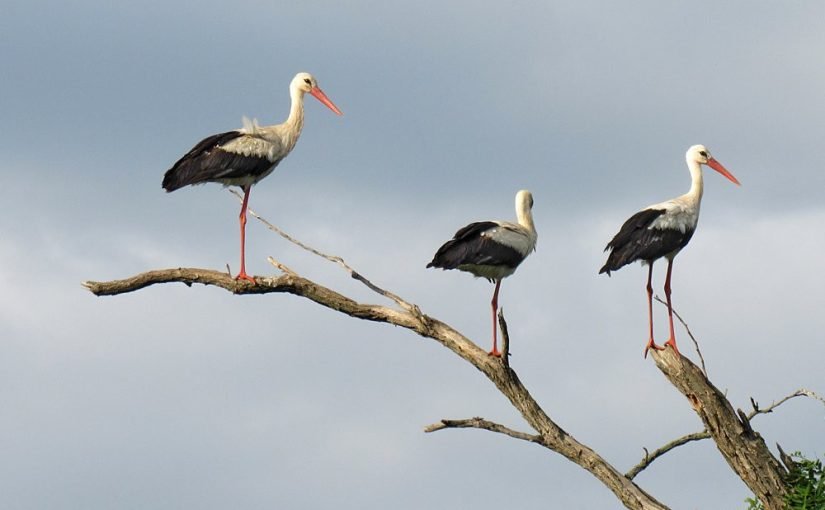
[
  {"x": 524, "y": 210},
  {"x": 524, "y": 200},
  {"x": 701, "y": 155},
  {"x": 305, "y": 82}
]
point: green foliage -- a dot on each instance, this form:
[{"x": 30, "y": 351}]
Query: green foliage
[
  {"x": 807, "y": 484},
  {"x": 754, "y": 504}
]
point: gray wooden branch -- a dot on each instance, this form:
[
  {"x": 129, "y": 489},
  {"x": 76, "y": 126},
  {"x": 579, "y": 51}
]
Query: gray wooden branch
[
  {"x": 551, "y": 435},
  {"x": 741, "y": 446},
  {"x": 650, "y": 457},
  {"x": 704, "y": 434},
  {"x": 481, "y": 423},
  {"x": 802, "y": 392}
]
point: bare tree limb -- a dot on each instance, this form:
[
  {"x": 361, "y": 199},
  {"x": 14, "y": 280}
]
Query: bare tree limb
[
  {"x": 281, "y": 267},
  {"x": 802, "y": 392},
  {"x": 332, "y": 258},
  {"x": 697, "y": 436},
  {"x": 505, "y": 379},
  {"x": 481, "y": 423},
  {"x": 649, "y": 458},
  {"x": 742, "y": 447},
  {"x": 505, "y": 338},
  {"x": 786, "y": 459}
]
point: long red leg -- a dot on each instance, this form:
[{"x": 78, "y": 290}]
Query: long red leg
[
  {"x": 650, "y": 342},
  {"x": 242, "y": 274},
  {"x": 494, "y": 304},
  {"x": 672, "y": 340}
]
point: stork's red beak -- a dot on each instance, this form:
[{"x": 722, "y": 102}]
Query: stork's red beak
[
  {"x": 320, "y": 96},
  {"x": 722, "y": 170}
]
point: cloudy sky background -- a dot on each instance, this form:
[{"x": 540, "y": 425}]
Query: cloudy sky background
[{"x": 193, "y": 398}]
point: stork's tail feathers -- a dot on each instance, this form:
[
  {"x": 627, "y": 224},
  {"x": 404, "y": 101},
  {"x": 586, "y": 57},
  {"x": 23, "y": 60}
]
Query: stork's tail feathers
[
  {"x": 616, "y": 260},
  {"x": 170, "y": 182},
  {"x": 447, "y": 257},
  {"x": 606, "y": 268}
]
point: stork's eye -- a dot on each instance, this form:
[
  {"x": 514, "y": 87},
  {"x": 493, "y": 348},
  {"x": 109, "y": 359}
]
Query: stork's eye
[
  {"x": 307, "y": 81},
  {"x": 704, "y": 154}
]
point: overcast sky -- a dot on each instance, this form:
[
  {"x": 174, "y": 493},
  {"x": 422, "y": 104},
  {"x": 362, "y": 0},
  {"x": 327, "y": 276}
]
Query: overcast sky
[{"x": 176, "y": 397}]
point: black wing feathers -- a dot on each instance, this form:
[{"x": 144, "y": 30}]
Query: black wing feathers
[
  {"x": 639, "y": 221},
  {"x": 636, "y": 241},
  {"x": 208, "y": 162},
  {"x": 468, "y": 246},
  {"x": 474, "y": 230}
]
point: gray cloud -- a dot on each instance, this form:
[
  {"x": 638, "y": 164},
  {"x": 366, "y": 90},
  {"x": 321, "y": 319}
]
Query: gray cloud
[{"x": 176, "y": 397}]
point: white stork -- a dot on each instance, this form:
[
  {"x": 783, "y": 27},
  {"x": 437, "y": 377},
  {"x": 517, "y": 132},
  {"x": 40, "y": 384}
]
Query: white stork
[
  {"x": 662, "y": 230},
  {"x": 245, "y": 156},
  {"x": 492, "y": 249}
]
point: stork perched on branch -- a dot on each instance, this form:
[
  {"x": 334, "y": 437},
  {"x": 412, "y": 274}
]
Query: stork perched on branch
[
  {"x": 243, "y": 157},
  {"x": 662, "y": 230},
  {"x": 492, "y": 249}
]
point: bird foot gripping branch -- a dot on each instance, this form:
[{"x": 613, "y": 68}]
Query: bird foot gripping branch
[
  {"x": 492, "y": 250},
  {"x": 243, "y": 157},
  {"x": 662, "y": 230}
]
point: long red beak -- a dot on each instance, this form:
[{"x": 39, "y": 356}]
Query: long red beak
[
  {"x": 722, "y": 170},
  {"x": 320, "y": 96}
]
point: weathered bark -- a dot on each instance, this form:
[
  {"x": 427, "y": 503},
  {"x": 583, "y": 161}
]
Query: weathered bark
[
  {"x": 741, "y": 446},
  {"x": 549, "y": 434}
]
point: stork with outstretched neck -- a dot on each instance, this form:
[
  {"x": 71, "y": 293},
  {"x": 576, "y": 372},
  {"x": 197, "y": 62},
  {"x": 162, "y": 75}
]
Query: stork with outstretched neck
[
  {"x": 662, "y": 230},
  {"x": 243, "y": 157}
]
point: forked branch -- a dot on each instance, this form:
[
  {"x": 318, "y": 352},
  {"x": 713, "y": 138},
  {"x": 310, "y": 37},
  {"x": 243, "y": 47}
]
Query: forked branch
[
  {"x": 548, "y": 433},
  {"x": 704, "y": 434},
  {"x": 552, "y": 436},
  {"x": 742, "y": 447}
]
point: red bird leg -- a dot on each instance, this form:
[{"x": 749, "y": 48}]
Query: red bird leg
[
  {"x": 494, "y": 304},
  {"x": 650, "y": 342},
  {"x": 672, "y": 340},
  {"x": 242, "y": 274}
]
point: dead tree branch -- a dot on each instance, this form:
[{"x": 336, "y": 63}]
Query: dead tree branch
[
  {"x": 481, "y": 423},
  {"x": 552, "y": 436},
  {"x": 650, "y": 457},
  {"x": 505, "y": 338},
  {"x": 741, "y": 446},
  {"x": 698, "y": 436},
  {"x": 332, "y": 258},
  {"x": 802, "y": 392}
]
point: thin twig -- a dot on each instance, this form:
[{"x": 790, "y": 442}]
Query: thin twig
[
  {"x": 649, "y": 458},
  {"x": 283, "y": 268},
  {"x": 802, "y": 392},
  {"x": 332, "y": 258},
  {"x": 690, "y": 334},
  {"x": 696, "y": 436},
  {"x": 481, "y": 423}
]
